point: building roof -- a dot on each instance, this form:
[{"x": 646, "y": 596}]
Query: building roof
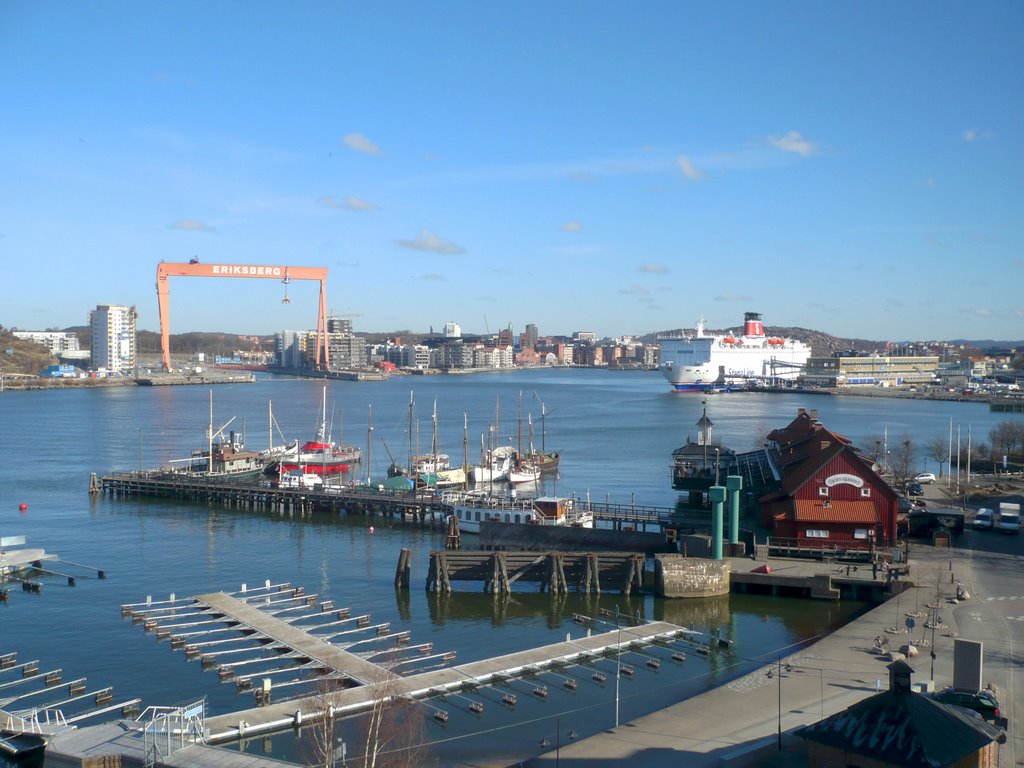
[
  {"x": 904, "y": 728},
  {"x": 833, "y": 511}
]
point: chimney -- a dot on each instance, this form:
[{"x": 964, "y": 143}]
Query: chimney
[
  {"x": 800, "y": 412},
  {"x": 814, "y": 414},
  {"x": 899, "y": 677}
]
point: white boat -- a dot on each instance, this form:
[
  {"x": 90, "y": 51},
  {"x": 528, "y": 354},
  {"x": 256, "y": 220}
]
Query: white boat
[
  {"x": 474, "y": 507},
  {"x": 495, "y": 467},
  {"x": 523, "y": 473},
  {"x": 702, "y": 363}
]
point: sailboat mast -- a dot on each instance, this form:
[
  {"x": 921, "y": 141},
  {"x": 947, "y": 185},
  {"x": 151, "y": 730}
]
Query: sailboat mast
[
  {"x": 369, "y": 440},
  {"x": 411, "y": 402},
  {"x": 209, "y": 437},
  {"x": 270, "y": 425},
  {"x": 519, "y": 442},
  {"x": 465, "y": 450}
]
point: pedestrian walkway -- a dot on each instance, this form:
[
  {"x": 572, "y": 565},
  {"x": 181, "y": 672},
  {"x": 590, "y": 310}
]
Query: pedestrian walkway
[{"x": 746, "y": 721}]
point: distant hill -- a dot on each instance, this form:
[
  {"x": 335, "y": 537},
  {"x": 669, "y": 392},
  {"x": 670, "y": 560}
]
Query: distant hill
[
  {"x": 987, "y": 344},
  {"x": 22, "y": 356}
]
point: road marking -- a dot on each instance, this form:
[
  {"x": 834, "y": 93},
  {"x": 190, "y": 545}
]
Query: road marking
[
  {"x": 1015, "y": 618},
  {"x": 1005, "y": 597}
]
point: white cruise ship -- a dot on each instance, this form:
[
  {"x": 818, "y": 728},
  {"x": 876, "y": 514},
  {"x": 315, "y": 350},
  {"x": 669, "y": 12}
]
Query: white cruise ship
[{"x": 699, "y": 363}]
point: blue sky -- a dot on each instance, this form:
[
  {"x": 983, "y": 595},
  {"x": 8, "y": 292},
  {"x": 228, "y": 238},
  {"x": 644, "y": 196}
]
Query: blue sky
[{"x": 854, "y": 168}]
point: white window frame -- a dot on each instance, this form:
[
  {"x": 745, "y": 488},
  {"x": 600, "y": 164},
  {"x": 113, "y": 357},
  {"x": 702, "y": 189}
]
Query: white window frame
[
  {"x": 816, "y": 533},
  {"x": 861, "y": 533},
  {"x": 865, "y": 493},
  {"x": 823, "y": 490}
]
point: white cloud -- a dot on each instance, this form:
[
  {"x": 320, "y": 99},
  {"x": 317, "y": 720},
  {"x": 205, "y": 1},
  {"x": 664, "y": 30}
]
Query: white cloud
[
  {"x": 983, "y": 312},
  {"x": 973, "y": 134},
  {"x": 728, "y": 296},
  {"x": 431, "y": 243},
  {"x": 192, "y": 225},
  {"x": 360, "y": 143},
  {"x": 1019, "y": 312},
  {"x": 572, "y": 226},
  {"x": 689, "y": 170},
  {"x": 655, "y": 269},
  {"x": 350, "y": 203},
  {"x": 794, "y": 142}
]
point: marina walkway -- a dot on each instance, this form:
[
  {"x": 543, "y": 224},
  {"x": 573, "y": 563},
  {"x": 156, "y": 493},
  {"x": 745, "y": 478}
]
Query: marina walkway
[{"x": 350, "y": 701}]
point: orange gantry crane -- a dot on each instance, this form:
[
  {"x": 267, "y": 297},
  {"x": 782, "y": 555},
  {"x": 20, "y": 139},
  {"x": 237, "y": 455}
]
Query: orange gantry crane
[{"x": 168, "y": 269}]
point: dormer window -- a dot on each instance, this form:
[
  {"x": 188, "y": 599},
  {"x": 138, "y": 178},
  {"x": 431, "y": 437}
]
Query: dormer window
[
  {"x": 823, "y": 490},
  {"x": 865, "y": 493}
]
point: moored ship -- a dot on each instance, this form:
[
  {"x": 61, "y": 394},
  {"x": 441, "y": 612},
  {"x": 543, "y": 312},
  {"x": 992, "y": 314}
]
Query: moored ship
[{"x": 700, "y": 362}]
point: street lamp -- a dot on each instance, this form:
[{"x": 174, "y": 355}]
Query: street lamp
[{"x": 716, "y": 466}]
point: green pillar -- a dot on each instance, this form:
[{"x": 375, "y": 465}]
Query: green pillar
[
  {"x": 734, "y": 484},
  {"x": 717, "y": 493}
]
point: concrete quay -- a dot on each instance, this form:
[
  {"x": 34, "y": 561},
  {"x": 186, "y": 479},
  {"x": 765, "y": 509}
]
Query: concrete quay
[{"x": 739, "y": 724}]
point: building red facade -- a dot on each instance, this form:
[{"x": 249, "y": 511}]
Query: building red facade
[{"x": 829, "y": 495}]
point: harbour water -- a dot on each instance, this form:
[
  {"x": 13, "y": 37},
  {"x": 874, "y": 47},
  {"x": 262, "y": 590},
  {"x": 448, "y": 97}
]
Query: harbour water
[{"x": 616, "y": 431}]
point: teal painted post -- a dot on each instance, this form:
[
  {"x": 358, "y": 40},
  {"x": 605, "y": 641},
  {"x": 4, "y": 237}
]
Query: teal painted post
[
  {"x": 734, "y": 484},
  {"x": 717, "y": 493}
]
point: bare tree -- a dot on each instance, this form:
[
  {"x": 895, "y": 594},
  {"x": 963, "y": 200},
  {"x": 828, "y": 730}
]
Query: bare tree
[
  {"x": 391, "y": 734},
  {"x": 902, "y": 461},
  {"x": 937, "y": 449}
]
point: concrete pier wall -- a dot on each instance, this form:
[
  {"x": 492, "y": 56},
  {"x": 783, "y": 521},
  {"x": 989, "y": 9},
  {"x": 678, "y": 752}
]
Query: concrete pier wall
[{"x": 678, "y": 576}]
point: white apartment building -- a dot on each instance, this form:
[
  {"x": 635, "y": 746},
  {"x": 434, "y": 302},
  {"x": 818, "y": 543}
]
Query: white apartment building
[
  {"x": 55, "y": 341},
  {"x": 113, "y": 338}
]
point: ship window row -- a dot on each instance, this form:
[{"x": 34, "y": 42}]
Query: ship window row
[{"x": 507, "y": 517}]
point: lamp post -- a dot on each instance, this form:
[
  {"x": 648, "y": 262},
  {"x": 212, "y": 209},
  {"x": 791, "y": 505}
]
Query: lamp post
[{"x": 716, "y": 466}]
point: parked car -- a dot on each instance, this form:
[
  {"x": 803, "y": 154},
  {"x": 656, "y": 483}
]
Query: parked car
[
  {"x": 983, "y": 519},
  {"x": 982, "y": 702},
  {"x": 925, "y": 477},
  {"x": 915, "y": 489}
]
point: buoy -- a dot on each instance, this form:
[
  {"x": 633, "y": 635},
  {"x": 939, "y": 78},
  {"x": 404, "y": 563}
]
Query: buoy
[
  {"x": 371, "y": 529},
  {"x": 23, "y": 507}
]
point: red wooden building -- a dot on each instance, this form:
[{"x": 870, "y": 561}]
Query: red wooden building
[{"x": 829, "y": 494}]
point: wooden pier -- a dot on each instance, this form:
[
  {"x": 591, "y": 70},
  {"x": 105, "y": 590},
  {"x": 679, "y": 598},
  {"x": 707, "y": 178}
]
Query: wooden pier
[
  {"x": 251, "y": 496},
  {"x": 421, "y": 507},
  {"x": 553, "y": 571}
]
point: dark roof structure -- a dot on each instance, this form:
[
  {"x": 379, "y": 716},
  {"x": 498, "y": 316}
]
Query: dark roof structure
[{"x": 904, "y": 728}]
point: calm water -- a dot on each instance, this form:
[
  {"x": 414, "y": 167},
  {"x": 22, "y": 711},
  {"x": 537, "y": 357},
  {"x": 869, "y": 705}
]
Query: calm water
[{"x": 616, "y": 431}]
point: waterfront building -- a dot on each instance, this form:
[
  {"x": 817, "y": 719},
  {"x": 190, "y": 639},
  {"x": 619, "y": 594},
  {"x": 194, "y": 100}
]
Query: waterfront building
[
  {"x": 505, "y": 337},
  {"x": 452, "y": 331},
  {"x": 827, "y": 494},
  {"x": 346, "y": 351},
  {"x": 113, "y": 337},
  {"x": 454, "y": 354},
  {"x": 870, "y": 370},
  {"x": 493, "y": 357},
  {"x": 290, "y": 348},
  {"x": 57, "y": 342}
]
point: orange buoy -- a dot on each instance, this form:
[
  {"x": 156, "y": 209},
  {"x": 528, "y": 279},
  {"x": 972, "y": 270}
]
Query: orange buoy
[{"x": 23, "y": 507}]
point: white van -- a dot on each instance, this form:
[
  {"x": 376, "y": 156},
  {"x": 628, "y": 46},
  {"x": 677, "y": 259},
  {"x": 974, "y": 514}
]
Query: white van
[
  {"x": 1008, "y": 519},
  {"x": 983, "y": 519}
]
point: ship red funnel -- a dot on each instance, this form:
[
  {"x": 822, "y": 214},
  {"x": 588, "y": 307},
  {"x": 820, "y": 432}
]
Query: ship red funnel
[{"x": 752, "y": 324}]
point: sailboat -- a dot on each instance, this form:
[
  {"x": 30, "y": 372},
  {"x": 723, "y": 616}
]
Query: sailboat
[
  {"x": 223, "y": 459},
  {"x": 544, "y": 460},
  {"x": 320, "y": 456}
]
